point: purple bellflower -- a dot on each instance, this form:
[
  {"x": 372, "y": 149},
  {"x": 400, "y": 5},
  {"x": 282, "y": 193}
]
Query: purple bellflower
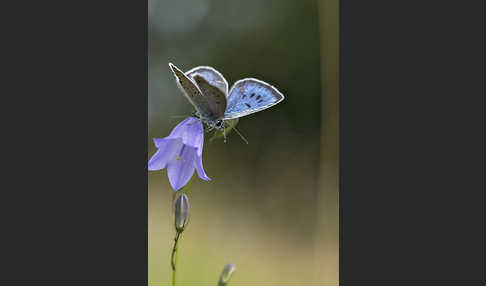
[{"x": 181, "y": 152}]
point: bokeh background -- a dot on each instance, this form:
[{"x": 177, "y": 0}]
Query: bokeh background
[{"x": 263, "y": 209}]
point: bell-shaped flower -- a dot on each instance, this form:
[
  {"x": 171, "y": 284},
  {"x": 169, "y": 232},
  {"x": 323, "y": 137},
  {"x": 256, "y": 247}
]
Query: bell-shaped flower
[{"x": 181, "y": 153}]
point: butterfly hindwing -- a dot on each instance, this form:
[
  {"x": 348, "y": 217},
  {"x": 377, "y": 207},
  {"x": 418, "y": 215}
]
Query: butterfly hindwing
[
  {"x": 250, "y": 95},
  {"x": 214, "y": 97},
  {"x": 212, "y": 76}
]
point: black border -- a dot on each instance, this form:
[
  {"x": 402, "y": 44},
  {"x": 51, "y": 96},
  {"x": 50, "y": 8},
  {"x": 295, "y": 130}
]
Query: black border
[
  {"x": 407, "y": 138},
  {"x": 78, "y": 154}
]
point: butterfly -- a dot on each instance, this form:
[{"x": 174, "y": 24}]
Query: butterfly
[{"x": 207, "y": 90}]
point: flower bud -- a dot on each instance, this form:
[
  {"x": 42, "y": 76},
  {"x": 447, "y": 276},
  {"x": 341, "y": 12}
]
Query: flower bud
[
  {"x": 181, "y": 211},
  {"x": 226, "y": 274}
]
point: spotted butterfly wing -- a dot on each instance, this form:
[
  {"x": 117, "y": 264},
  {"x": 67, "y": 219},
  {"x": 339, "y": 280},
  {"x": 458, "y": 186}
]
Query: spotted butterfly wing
[{"x": 250, "y": 95}]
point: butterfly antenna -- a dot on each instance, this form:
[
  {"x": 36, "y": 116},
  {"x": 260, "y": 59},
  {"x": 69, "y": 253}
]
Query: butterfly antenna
[
  {"x": 243, "y": 138},
  {"x": 179, "y": 116},
  {"x": 186, "y": 115}
]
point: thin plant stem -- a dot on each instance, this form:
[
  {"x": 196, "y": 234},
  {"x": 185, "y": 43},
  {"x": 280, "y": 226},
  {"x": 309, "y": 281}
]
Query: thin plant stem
[{"x": 173, "y": 258}]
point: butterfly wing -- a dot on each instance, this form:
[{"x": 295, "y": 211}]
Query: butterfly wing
[
  {"x": 202, "y": 104},
  {"x": 250, "y": 95},
  {"x": 215, "y": 98},
  {"x": 212, "y": 76}
]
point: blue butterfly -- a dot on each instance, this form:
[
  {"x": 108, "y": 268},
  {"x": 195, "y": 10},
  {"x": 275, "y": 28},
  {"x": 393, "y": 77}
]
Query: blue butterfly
[{"x": 207, "y": 90}]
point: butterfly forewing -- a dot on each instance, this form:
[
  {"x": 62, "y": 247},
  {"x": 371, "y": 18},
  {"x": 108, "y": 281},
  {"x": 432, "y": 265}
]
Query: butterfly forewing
[
  {"x": 250, "y": 95},
  {"x": 188, "y": 87}
]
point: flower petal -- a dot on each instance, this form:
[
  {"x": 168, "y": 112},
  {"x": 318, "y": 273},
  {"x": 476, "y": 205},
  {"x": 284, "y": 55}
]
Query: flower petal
[
  {"x": 182, "y": 169},
  {"x": 159, "y": 142},
  {"x": 196, "y": 137},
  {"x": 180, "y": 129},
  {"x": 200, "y": 169},
  {"x": 168, "y": 150},
  {"x": 192, "y": 133}
]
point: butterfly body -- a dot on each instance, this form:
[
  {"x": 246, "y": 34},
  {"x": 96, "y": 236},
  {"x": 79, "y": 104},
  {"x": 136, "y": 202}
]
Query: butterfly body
[{"x": 207, "y": 90}]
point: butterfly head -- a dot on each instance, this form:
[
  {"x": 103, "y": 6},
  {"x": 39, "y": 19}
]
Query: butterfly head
[
  {"x": 218, "y": 124},
  {"x": 213, "y": 124}
]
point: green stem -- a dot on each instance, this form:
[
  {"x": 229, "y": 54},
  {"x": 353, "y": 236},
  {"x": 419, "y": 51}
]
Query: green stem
[{"x": 173, "y": 258}]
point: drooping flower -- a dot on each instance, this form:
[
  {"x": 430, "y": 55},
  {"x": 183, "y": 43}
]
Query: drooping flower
[{"x": 181, "y": 153}]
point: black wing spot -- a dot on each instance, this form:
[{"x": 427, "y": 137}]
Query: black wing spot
[
  {"x": 249, "y": 106},
  {"x": 252, "y": 95},
  {"x": 244, "y": 95},
  {"x": 258, "y": 97},
  {"x": 260, "y": 101}
]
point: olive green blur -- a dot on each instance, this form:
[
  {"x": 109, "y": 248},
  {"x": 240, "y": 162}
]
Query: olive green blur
[{"x": 271, "y": 206}]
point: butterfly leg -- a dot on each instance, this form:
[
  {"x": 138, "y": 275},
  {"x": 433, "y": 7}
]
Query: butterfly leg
[
  {"x": 209, "y": 128},
  {"x": 224, "y": 132}
]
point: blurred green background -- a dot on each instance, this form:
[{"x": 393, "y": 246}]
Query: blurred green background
[{"x": 263, "y": 209}]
